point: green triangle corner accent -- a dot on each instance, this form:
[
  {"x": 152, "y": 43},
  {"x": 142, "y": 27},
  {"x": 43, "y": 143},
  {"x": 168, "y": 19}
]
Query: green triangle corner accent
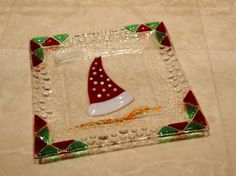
[
  {"x": 61, "y": 37},
  {"x": 40, "y": 40},
  {"x": 76, "y": 146},
  {"x": 153, "y": 25},
  {"x": 44, "y": 135},
  {"x": 191, "y": 110},
  {"x": 39, "y": 53},
  {"x": 48, "y": 151},
  {"x": 166, "y": 131},
  {"x": 194, "y": 126},
  {"x": 132, "y": 27},
  {"x": 160, "y": 36}
]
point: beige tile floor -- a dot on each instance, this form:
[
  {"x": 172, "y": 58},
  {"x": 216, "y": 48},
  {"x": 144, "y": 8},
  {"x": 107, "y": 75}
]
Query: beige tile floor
[{"x": 203, "y": 32}]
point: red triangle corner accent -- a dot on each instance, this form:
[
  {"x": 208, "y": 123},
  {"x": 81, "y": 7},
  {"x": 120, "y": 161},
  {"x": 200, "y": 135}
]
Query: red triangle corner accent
[
  {"x": 63, "y": 144},
  {"x": 166, "y": 41},
  {"x": 50, "y": 41},
  {"x": 180, "y": 126},
  {"x": 39, "y": 123},
  {"x": 33, "y": 46},
  {"x": 190, "y": 98},
  {"x": 200, "y": 118},
  {"x": 143, "y": 28},
  {"x": 38, "y": 145},
  {"x": 161, "y": 28},
  {"x": 35, "y": 60}
]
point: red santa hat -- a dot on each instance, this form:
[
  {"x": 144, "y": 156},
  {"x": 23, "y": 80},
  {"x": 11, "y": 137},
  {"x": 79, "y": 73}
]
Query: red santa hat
[{"x": 105, "y": 96}]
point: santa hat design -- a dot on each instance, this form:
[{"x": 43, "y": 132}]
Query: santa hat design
[{"x": 105, "y": 96}]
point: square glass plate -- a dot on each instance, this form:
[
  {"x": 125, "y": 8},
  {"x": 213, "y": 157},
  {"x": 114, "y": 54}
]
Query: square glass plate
[{"x": 109, "y": 90}]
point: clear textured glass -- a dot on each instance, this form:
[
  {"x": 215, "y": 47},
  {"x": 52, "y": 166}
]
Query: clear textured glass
[{"x": 157, "y": 102}]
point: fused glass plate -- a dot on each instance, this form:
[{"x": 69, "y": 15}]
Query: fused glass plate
[{"x": 109, "y": 90}]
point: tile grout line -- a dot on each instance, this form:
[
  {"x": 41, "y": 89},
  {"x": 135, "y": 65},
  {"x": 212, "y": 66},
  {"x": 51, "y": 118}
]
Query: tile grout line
[{"x": 215, "y": 88}]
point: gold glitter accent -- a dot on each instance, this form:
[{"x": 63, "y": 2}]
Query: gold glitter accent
[{"x": 128, "y": 117}]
